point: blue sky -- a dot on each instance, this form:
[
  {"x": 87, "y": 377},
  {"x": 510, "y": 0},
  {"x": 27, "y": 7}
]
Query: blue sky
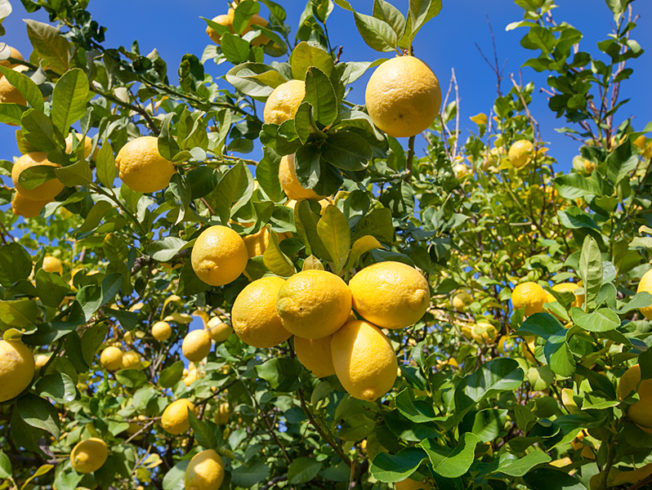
[{"x": 446, "y": 43}]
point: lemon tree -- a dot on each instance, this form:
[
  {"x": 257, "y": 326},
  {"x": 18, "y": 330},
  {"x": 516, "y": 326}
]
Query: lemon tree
[{"x": 344, "y": 310}]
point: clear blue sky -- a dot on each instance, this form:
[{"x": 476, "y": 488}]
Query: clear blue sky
[{"x": 447, "y": 42}]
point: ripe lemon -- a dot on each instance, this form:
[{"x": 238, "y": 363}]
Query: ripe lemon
[
  {"x": 645, "y": 285},
  {"x": 257, "y": 243},
  {"x": 27, "y": 208},
  {"x": 44, "y": 192},
  {"x": 219, "y": 255},
  {"x": 40, "y": 360},
  {"x": 284, "y": 101},
  {"x": 410, "y": 484},
  {"x": 364, "y": 360},
  {"x": 640, "y": 412},
  {"x": 314, "y": 304},
  {"x": 462, "y": 171},
  {"x": 226, "y": 20},
  {"x": 89, "y": 455},
  {"x": 175, "y": 416},
  {"x": 196, "y": 345},
  {"x": 191, "y": 374},
  {"x": 161, "y": 331},
  {"x": 130, "y": 360},
  {"x": 13, "y": 53},
  {"x": 52, "y": 264},
  {"x": 484, "y": 332},
  {"x": 218, "y": 330},
  {"x": 254, "y": 317},
  {"x": 570, "y": 287},
  {"x": 403, "y": 96},
  {"x": 141, "y": 167},
  {"x": 10, "y": 94},
  {"x": 287, "y": 175},
  {"x": 521, "y": 153},
  {"x": 390, "y": 294},
  {"x": 111, "y": 358},
  {"x": 315, "y": 355},
  {"x": 88, "y": 144},
  {"x": 461, "y": 300},
  {"x": 205, "y": 471},
  {"x": 222, "y": 414},
  {"x": 531, "y": 296},
  {"x": 16, "y": 368}
]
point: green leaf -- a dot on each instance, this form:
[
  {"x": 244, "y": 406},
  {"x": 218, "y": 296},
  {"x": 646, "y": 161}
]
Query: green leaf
[
  {"x": 303, "y": 470},
  {"x": 306, "y": 55},
  {"x": 235, "y": 49},
  {"x": 105, "y": 165},
  {"x": 49, "y": 45},
  {"x": 334, "y": 232},
  {"x": 575, "y": 185},
  {"x": 92, "y": 340},
  {"x": 452, "y": 462},
  {"x": 58, "y": 386},
  {"x": 347, "y": 150},
  {"x": 174, "y": 479},
  {"x": 378, "y": 34},
  {"x": 282, "y": 373},
  {"x": 497, "y": 375},
  {"x": 25, "y": 86},
  {"x": 575, "y": 218},
  {"x": 518, "y": 467},
  {"x": 78, "y": 173},
  {"x": 131, "y": 378},
  {"x": 202, "y": 431},
  {"x": 321, "y": 95},
  {"x": 233, "y": 191},
  {"x": 420, "y": 12},
  {"x": 38, "y": 130},
  {"x": 5, "y": 466},
  {"x": 51, "y": 288},
  {"x": 69, "y": 99},
  {"x": 306, "y": 222},
  {"x": 11, "y": 113},
  {"x": 418, "y": 411},
  {"x": 18, "y": 313},
  {"x": 601, "y": 320},
  {"x": 243, "y": 12},
  {"x": 250, "y": 473},
  {"x": 171, "y": 375},
  {"x": 552, "y": 479},
  {"x": 94, "y": 216},
  {"x": 391, "y": 468},
  {"x": 361, "y": 246},
  {"x": 274, "y": 258},
  {"x": 377, "y": 223},
  {"x": 255, "y": 79},
  {"x": 40, "y": 471},
  {"x": 542, "y": 324},
  {"x": 92, "y": 297},
  {"x": 385, "y": 11},
  {"x": 166, "y": 248},
  {"x": 15, "y": 264},
  {"x": 558, "y": 355},
  {"x": 39, "y": 413},
  {"x": 488, "y": 424},
  {"x": 590, "y": 270},
  {"x": 639, "y": 300}
]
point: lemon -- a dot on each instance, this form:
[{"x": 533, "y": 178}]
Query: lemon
[
  {"x": 364, "y": 360},
  {"x": 218, "y": 330},
  {"x": 410, "y": 484},
  {"x": 10, "y": 94},
  {"x": 640, "y": 412},
  {"x": 141, "y": 167},
  {"x": 111, "y": 358},
  {"x": 531, "y": 296},
  {"x": 284, "y": 101},
  {"x": 645, "y": 285},
  {"x": 89, "y": 455},
  {"x": 484, "y": 332},
  {"x": 175, "y": 416},
  {"x": 40, "y": 360},
  {"x": 13, "y": 53},
  {"x": 287, "y": 175},
  {"x": 87, "y": 144},
  {"x": 314, "y": 304},
  {"x": 27, "y": 208},
  {"x": 462, "y": 171},
  {"x": 44, "y": 192},
  {"x": 219, "y": 255},
  {"x": 461, "y": 300},
  {"x": 226, "y": 20},
  {"x": 161, "y": 331},
  {"x": 570, "y": 287},
  {"x": 520, "y": 153},
  {"x": 222, "y": 414},
  {"x": 130, "y": 360},
  {"x": 403, "y": 96},
  {"x": 390, "y": 294},
  {"x": 16, "y": 368},
  {"x": 191, "y": 374},
  {"x": 315, "y": 355},
  {"x": 254, "y": 317},
  {"x": 257, "y": 243},
  {"x": 205, "y": 471},
  {"x": 196, "y": 345},
  {"x": 52, "y": 264}
]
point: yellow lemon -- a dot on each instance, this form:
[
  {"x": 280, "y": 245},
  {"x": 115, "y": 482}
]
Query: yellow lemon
[
  {"x": 531, "y": 296},
  {"x": 89, "y": 455},
  {"x": 403, "y": 96},
  {"x": 130, "y": 360},
  {"x": 219, "y": 255},
  {"x": 484, "y": 332},
  {"x": 254, "y": 317},
  {"x": 257, "y": 243},
  {"x": 218, "y": 330},
  {"x": 27, "y": 208},
  {"x": 191, "y": 374},
  {"x": 87, "y": 144},
  {"x": 462, "y": 171},
  {"x": 222, "y": 414},
  {"x": 52, "y": 264},
  {"x": 521, "y": 153},
  {"x": 10, "y": 94},
  {"x": 315, "y": 355},
  {"x": 226, "y": 20},
  {"x": 161, "y": 331},
  {"x": 314, "y": 304},
  {"x": 16, "y": 368},
  {"x": 410, "y": 484},
  {"x": 205, "y": 471},
  {"x": 640, "y": 412},
  {"x": 284, "y": 101},
  {"x": 40, "y": 360},
  {"x": 111, "y": 358},
  {"x": 390, "y": 294},
  {"x": 48, "y": 190},
  {"x": 645, "y": 285},
  {"x": 175, "y": 416},
  {"x": 13, "y": 53},
  {"x": 364, "y": 360},
  {"x": 570, "y": 287},
  {"x": 461, "y": 300},
  {"x": 196, "y": 345},
  {"x": 141, "y": 167},
  {"x": 287, "y": 175}
]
